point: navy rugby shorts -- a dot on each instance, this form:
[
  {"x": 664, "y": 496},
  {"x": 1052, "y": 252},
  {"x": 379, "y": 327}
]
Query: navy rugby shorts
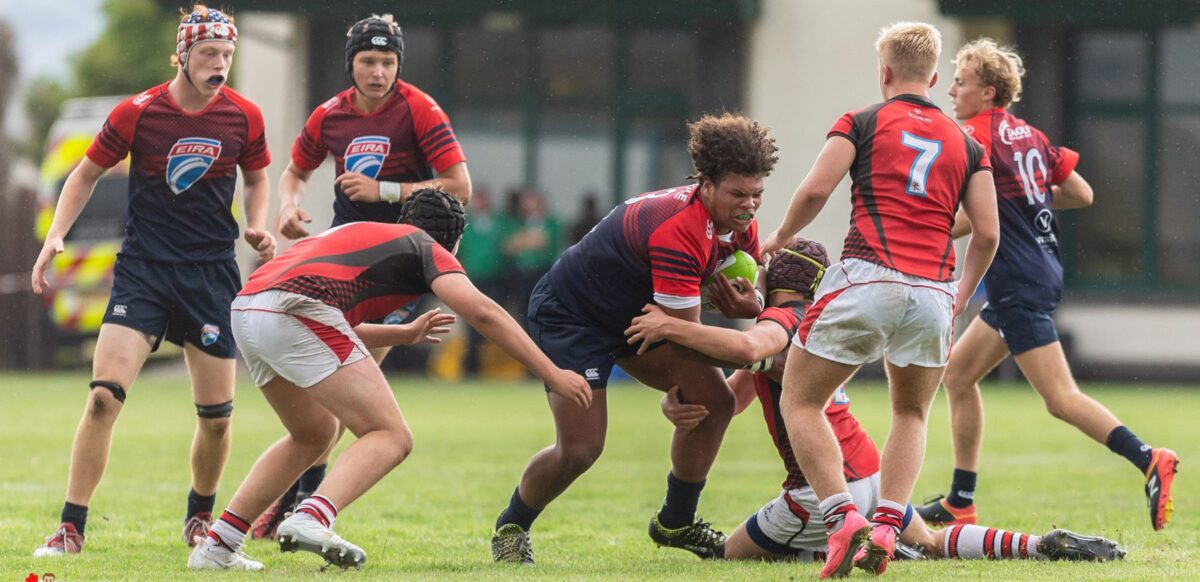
[
  {"x": 1022, "y": 328},
  {"x": 569, "y": 341},
  {"x": 181, "y": 302}
]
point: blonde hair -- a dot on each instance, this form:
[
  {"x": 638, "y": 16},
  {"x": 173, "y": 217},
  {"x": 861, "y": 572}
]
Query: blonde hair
[
  {"x": 911, "y": 49},
  {"x": 999, "y": 67}
]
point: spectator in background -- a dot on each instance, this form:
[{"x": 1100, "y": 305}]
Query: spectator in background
[
  {"x": 533, "y": 244},
  {"x": 588, "y": 216},
  {"x": 479, "y": 253}
]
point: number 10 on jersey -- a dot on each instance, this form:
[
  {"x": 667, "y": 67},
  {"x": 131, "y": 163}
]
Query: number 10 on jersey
[{"x": 928, "y": 150}]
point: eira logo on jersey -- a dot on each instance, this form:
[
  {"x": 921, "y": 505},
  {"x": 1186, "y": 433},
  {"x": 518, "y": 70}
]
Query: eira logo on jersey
[
  {"x": 189, "y": 159},
  {"x": 365, "y": 155}
]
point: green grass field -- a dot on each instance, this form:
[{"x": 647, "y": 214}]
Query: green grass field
[{"x": 431, "y": 518}]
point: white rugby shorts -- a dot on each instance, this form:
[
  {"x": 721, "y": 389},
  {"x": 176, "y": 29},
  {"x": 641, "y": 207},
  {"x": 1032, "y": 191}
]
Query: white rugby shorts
[
  {"x": 298, "y": 338},
  {"x": 863, "y": 311},
  {"x": 793, "y": 521}
]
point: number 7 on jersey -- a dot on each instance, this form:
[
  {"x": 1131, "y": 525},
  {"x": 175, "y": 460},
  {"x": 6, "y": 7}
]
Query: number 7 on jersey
[{"x": 928, "y": 150}]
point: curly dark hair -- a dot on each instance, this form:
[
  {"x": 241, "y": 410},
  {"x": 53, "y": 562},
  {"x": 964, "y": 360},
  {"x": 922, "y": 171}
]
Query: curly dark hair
[
  {"x": 730, "y": 143},
  {"x": 792, "y": 273}
]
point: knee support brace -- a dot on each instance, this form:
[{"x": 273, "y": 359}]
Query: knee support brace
[
  {"x": 222, "y": 410},
  {"x": 117, "y": 391}
]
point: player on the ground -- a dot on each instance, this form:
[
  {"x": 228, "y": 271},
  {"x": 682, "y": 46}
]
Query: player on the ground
[
  {"x": 657, "y": 247},
  {"x": 175, "y": 275},
  {"x": 1023, "y": 287},
  {"x": 300, "y": 326},
  {"x": 388, "y": 138},
  {"x": 893, "y": 294},
  {"x": 789, "y": 526}
]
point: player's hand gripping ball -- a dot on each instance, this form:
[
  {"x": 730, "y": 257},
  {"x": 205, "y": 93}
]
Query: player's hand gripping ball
[{"x": 739, "y": 264}]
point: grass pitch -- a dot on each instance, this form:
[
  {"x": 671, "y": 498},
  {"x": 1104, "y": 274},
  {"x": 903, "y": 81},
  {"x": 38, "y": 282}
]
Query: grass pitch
[{"x": 431, "y": 518}]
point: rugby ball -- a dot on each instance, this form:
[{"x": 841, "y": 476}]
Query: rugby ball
[{"x": 739, "y": 264}]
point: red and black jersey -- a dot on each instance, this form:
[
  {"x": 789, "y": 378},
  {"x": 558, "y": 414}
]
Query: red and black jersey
[
  {"x": 788, "y": 316},
  {"x": 365, "y": 269},
  {"x": 859, "y": 455},
  {"x": 657, "y": 247},
  {"x": 911, "y": 169},
  {"x": 406, "y": 140},
  {"x": 182, "y": 172},
  {"x": 1027, "y": 269}
]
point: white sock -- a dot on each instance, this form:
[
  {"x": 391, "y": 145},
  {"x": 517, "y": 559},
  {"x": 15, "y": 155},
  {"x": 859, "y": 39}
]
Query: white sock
[
  {"x": 834, "y": 509},
  {"x": 229, "y": 531},
  {"x": 975, "y": 542},
  {"x": 320, "y": 508}
]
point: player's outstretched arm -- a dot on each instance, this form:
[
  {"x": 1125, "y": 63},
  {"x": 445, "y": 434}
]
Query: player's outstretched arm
[
  {"x": 76, "y": 192},
  {"x": 729, "y": 346},
  {"x": 1074, "y": 192},
  {"x": 293, "y": 184},
  {"x": 425, "y": 328},
  {"x": 979, "y": 203},
  {"x": 827, "y": 172},
  {"x": 456, "y": 181},
  {"x": 491, "y": 320},
  {"x": 256, "y": 196}
]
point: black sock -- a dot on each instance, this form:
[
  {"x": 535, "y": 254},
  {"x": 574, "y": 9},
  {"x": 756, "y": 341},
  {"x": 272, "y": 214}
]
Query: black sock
[
  {"x": 75, "y": 515},
  {"x": 198, "y": 503},
  {"x": 1123, "y": 442},
  {"x": 679, "y": 507},
  {"x": 518, "y": 513},
  {"x": 962, "y": 489},
  {"x": 310, "y": 480}
]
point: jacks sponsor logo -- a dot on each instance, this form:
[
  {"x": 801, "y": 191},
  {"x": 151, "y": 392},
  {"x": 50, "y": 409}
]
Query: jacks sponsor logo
[
  {"x": 1010, "y": 134},
  {"x": 188, "y": 161},
  {"x": 365, "y": 155}
]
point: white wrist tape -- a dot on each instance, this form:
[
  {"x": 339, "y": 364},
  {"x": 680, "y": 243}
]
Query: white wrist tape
[
  {"x": 389, "y": 192},
  {"x": 762, "y": 365}
]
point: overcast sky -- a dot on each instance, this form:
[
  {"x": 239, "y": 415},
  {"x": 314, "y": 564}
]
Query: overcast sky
[{"x": 47, "y": 32}]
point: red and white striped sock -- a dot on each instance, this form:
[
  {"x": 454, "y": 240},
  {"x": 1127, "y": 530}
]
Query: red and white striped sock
[
  {"x": 320, "y": 508},
  {"x": 889, "y": 513},
  {"x": 975, "y": 542},
  {"x": 229, "y": 531},
  {"x": 834, "y": 509}
]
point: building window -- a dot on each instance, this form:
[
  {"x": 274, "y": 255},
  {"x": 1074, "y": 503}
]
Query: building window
[{"x": 1135, "y": 117}]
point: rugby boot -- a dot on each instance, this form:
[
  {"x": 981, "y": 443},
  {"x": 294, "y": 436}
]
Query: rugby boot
[
  {"x": 698, "y": 538},
  {"x": 937, "y": 511},
  {"x": 302, "y": 531},
  {"x": 196, "y": 528},
  {"x": 844, "y": 545},
  {"x": 1163, "y": 465},
  {"x": 510, "y": 543},
  {"x": 210, "y": 555},
  {"x": 880, "y": 548},
  {"x": 265, "y": 526},
  {"x": 67, "y": 540},
  {"x": 907, "y": 552},
  {"x": 1061, "y": 544}
]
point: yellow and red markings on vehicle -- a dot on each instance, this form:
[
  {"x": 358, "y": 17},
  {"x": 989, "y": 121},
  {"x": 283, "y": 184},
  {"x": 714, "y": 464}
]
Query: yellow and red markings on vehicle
[{"x": 80, "y": 280}]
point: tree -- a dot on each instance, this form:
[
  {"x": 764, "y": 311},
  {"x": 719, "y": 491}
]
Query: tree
[{"x": 132, "y": 53}]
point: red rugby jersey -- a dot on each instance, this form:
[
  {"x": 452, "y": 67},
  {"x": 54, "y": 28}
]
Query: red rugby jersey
[
  {"x": 365, "y": 269},
  {"x": 183, "y": 171},
  {"x": 406, "y": 140},
  {"x": 911, "y": 169},
  {"x": 859, "y": 452},
  {"x": 656, "y": 247},
  {"x": 1027, "y": 269},
  {"x": 860, "y": 457}
]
